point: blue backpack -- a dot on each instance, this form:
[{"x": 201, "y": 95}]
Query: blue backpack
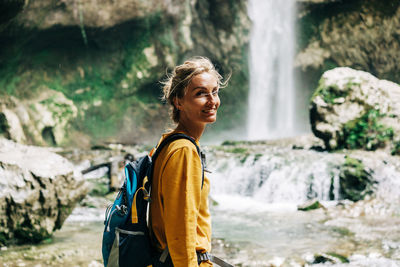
[{"x": 126, "y": 237}]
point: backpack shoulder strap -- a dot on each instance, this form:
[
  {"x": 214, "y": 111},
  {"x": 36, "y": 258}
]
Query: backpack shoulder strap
[{"x": 172, "y": 138}]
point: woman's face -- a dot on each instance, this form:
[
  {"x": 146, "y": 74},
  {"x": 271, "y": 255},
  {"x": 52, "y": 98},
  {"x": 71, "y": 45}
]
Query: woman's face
[{"x": 201, "y": 101}]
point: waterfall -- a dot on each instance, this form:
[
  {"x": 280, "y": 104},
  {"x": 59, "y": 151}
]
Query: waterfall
[{"x": 272, "y": 95}]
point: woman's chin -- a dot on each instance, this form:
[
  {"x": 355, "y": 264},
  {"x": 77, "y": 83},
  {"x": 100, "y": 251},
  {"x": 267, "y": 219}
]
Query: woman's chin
[{"x": 211, "y": 119}]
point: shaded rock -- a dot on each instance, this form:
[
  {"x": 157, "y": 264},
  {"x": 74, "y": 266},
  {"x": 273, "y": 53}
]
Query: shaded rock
[
  {"x": 310, "y": 205},
  {"x": 354, "y": 109},
  {"x": 38, "y": 190}
]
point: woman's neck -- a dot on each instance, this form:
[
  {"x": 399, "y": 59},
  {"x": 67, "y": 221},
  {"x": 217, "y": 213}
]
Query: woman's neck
[{"x": 191, "y": 129}]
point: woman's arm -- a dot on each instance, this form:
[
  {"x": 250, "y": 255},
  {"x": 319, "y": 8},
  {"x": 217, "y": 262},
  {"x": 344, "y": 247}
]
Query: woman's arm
[{"x": 181, "y": 192}]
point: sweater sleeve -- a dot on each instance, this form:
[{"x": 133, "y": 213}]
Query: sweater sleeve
[{"x": 181, "y": 190}]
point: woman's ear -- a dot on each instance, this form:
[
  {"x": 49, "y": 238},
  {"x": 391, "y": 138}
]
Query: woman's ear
[{"x": 177, "y": 103}]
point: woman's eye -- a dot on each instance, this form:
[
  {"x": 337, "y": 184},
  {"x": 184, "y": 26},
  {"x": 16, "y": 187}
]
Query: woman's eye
[
  {"x": 201, "y": 93},
  {"x": 206, "y": 94}
]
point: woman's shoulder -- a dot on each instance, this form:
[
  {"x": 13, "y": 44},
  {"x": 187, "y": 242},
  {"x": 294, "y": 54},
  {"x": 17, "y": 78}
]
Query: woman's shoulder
[{"x": 184, "y": 145}]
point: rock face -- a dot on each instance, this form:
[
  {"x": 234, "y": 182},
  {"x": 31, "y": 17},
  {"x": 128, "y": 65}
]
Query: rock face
[
  {"x": 109, "y": 56},
  {"x": 357, "y": 34},
  {"x": 92, "y": 13},
  {"x": 354, "y": 109},
  {"x": 38, "y": 190},
  {"x": 43, "y": 119}
]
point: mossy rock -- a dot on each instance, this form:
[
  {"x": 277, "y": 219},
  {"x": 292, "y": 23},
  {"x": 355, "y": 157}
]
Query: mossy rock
[
  {"x": 310, "y": 205},
  {"x": 330, "y": 257},
  {"x": 355, "y": 180}
]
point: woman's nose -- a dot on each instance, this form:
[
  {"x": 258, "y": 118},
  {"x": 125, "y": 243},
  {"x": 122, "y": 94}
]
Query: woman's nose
[{"x": 211, "y": 98}]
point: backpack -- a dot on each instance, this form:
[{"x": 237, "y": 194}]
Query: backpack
[{"x": 126, "y": 236}]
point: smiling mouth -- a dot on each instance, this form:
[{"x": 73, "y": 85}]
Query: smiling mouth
[
  {"x": 210, "y": 111},
  {"x": 213, "y": 110}
]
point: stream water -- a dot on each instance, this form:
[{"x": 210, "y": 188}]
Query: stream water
[{"x": 255, "y": 192}]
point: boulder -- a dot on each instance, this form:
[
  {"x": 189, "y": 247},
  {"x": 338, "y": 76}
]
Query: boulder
[
  {"x": 38, "y": 190},
  {"x": 354, "y": 109}
]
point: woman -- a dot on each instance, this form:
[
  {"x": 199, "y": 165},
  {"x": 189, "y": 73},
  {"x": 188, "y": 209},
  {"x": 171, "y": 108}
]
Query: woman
[{"x": 180, "y": 218}]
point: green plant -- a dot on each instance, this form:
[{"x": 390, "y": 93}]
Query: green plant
[
  {"x": 396, "y": 148},
  {"x": 328, "y": 92},
  {"x": 366, "y": 132}
]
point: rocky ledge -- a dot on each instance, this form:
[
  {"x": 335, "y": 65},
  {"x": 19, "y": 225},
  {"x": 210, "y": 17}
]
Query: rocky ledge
[{"x": 38, "y": 190}]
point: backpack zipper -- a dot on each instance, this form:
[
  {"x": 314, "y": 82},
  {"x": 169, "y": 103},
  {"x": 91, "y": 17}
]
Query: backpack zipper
[
  {"x": 107, "y": 213},
  {"x": 121, "y": 209}
]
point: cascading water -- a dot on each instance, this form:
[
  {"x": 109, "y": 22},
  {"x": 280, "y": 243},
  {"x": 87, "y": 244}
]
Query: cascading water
[
  {"x": 272, "y": 95},
  {"x": 279, "y": 176},
  {"x": 256, "y": 189}
]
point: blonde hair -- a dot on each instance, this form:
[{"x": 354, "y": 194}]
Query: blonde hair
[{"x": 176, "y": 83}]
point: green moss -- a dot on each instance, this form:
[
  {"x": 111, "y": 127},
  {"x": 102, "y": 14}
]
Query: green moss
[
  {"x": 329, "y": 93},
  {"x": 366, "y": 132},
  {"x": 103, "y": 71},
  {"x": 313, "y": 206}
]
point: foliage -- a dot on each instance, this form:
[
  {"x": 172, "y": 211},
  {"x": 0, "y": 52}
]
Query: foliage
[
  {"x": 366, "y": 132},
  {"x": 329, "y": 92}
]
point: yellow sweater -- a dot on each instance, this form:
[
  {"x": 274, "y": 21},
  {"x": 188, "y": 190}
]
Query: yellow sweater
[{"x": 179, "y": 209}]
